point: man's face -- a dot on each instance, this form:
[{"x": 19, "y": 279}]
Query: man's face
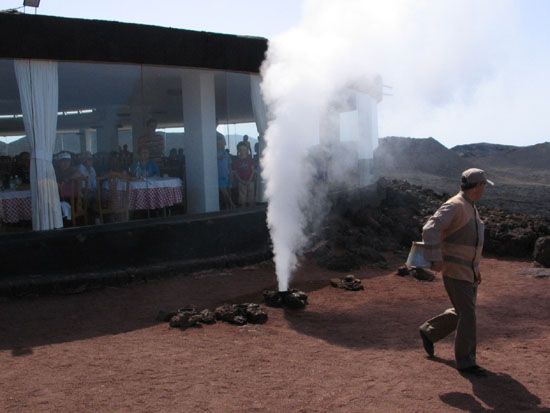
[
  {"x": 64, "y": 164},
  {"x": 144, "y": 155},
  {"x": 477, "y": 192}
]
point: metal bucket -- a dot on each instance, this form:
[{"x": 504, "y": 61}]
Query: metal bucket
[{"x": 416, "y": 256}]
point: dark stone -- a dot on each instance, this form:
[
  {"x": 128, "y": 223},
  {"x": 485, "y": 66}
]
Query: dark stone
[
  {"x": 272, "y": 298},
  {"x": 293, "y": 298},
  {"x": 241, "y": 314},
  {"x": 255, "y": 313},
  {"x": 349, "y": 282},
  {"x": 541, "y": 252},
  {"x": 421, "y": 274},
  {"x": 403, "y": 271},
  {"x": 207, "y": 316},
  {"x": 227, "y": 313},
  {"x": 184, "y": 320}
]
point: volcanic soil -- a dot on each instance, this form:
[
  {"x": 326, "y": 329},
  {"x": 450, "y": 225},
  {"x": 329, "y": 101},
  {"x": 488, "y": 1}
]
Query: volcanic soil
[{"x": 347, "y": 351}]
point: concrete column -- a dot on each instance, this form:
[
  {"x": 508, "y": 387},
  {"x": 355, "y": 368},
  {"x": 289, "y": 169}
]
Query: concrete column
[
  {"x": 367, "y": 111},
  {"x": 367, "y": 116},
  {"x": 329, "y": 127},
  {"x": 88, "y": 134},
  {"x": 140, "y": 114},
  {"x": 199, "y": 118},
  {"x": 107, "y": 133},
  {"x": 82, "y": 138}
]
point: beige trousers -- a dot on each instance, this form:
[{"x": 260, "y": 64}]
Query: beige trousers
[
  {"x": 462, "y": 318},
  {"x": 246, "y": 193}
]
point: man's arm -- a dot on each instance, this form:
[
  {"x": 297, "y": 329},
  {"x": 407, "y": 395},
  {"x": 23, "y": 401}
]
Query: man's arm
[{"x": 432, "y": 234}]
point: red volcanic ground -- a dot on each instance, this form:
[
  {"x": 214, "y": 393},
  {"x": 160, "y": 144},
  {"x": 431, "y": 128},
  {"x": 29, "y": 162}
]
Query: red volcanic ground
[{"x": 348, "y": 351}]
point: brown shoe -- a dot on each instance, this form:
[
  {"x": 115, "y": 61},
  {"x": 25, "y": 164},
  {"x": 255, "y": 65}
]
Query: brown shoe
[{"x": 428, "y": 344}]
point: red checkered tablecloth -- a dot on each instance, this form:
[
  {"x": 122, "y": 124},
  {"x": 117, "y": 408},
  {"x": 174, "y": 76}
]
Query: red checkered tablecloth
[
  {"x": 15, "y": 206},
  {"x": 152, "y": 193},
  {"x": 153, "y": 198}
]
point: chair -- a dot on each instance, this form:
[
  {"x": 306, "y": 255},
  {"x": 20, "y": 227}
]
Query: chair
[
  {"x": 78, "y": 198},
  {"x": 113, "y": 196}
]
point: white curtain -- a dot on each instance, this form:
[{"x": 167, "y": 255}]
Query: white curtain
[
  {"x": 260, "y": 117},
  {"x": 38, "y": 90}
]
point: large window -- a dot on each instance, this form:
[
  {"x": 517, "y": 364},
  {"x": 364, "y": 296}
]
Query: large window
[{"x": 119, "y": 118}]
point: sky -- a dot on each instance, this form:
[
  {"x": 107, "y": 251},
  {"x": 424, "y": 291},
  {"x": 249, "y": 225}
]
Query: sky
[{"x": 498, "y": 91}]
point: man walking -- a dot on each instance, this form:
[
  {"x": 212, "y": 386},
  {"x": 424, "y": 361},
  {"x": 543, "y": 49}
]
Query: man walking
[{"x": 453, "y": 239}]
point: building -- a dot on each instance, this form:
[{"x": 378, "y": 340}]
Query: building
[
  {"x": 86, "y": 85},
  {"x": 74, "y": 85}
]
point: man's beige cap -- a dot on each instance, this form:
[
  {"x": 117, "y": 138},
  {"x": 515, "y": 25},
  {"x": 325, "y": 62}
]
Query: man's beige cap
[{"x": 475, "y": 176}]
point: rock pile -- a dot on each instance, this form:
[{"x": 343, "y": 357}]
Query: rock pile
[
  {"x": 349, "y": 282},
  {"x": 238, "y": 314},
  {"x": 293, "y": 298},
  {"x": 364, "y": 224}
]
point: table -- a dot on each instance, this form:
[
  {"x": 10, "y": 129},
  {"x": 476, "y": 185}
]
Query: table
[
  {"x": 150, "y": 193},
  {"x": 15, "y": 206},
  {"x": 153, "y": 193}
]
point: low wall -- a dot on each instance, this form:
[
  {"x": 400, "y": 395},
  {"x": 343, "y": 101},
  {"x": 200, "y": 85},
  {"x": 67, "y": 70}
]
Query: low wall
[{"x": 135, "y": 244}]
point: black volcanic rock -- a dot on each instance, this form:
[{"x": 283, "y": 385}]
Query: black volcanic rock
[
  {"x": 541, "y": 254},
  {"x": 349, "y": 282},
  {"x": 293, "y": 298},
  {"x": 357, "y": 232}
]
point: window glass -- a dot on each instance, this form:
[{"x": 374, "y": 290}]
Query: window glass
[{"x": 108, "y": 113}]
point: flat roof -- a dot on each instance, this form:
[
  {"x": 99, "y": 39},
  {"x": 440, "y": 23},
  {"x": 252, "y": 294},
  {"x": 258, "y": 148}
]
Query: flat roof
[{"x": 69, "y": 39}]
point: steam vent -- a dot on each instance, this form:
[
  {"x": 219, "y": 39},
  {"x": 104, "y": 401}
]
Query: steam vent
[{"x": 294, "y": 299}]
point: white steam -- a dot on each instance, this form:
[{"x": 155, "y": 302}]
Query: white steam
[{"x": 431, "y": 52}]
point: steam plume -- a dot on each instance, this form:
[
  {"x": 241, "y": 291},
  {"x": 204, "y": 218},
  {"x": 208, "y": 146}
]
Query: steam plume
[{"x": 431, "y": 52}]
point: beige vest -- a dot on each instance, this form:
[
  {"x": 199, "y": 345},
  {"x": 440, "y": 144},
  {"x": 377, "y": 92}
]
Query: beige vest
[{"x": 461, "y": 240}]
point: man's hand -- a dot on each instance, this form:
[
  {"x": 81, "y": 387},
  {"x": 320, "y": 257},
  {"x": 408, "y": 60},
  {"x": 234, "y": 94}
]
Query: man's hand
[
  {"x": 478, "y": 278},
  {"x": 437, "y": 266}
]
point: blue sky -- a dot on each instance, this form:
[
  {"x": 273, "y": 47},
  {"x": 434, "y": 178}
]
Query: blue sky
[{"x": 509, "y": 105}]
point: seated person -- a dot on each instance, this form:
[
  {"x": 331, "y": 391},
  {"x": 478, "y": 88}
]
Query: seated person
[
  {"x": 152, "y": 141},
  {"x": 181, "y": 156},
  {"x": 22, "y": 167},
  {"x": 244, "y": 171},
  {"x": 86, "y": 168},
  {"x": 144, "y": 167},
  {"x": 64, "y": 172},
  {"x": 173, "y": 155}
]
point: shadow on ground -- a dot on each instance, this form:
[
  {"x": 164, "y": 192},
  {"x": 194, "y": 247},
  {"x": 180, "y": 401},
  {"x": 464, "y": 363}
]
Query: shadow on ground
[{"x": 500, "y": 392}]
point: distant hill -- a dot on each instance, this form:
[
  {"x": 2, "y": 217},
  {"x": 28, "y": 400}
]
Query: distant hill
[
  {"x": 477, "y": 150},
  {"x": 420, "y": 155},
  {"x": 528, "y": 157},
  {"x": 521, "y": 174}
]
